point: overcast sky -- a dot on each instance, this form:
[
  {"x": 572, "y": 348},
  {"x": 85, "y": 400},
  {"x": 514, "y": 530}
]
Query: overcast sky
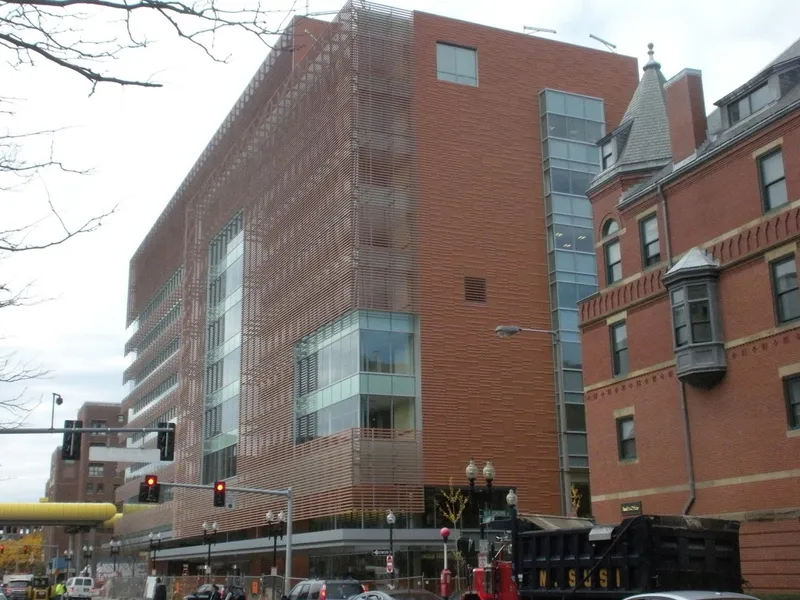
[{"x": 141, "y": 143}]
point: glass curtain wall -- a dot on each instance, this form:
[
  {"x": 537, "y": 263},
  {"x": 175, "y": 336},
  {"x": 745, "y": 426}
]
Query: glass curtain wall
[
  {"x": 356, "y": 372},
  {"x": 571, "y": 126},
  {"x": 223, "y": 352}
]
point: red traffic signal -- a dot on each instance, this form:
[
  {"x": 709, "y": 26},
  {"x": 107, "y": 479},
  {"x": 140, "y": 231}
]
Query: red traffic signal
[
  {"x": 149, "y": 490},
  {"x": 219, "y": 494},
  {"x": 151, "y": 480},
  {"x": 2, "y": 549},
  {"x": 25, "y": 549}
]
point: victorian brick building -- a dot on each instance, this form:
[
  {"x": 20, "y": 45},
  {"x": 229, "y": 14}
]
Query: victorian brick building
[{"x": 692, "y": 344}]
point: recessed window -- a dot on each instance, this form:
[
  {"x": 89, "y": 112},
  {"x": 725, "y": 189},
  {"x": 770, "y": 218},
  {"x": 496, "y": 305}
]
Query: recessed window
[
  {"x": 619, "y": 349},
  {"x": 96, "y": 469},
  {"x": 610, "y": 227},
  {"x": 785, "y": 289},
  {"x": 474, "y": 289},
  {"x": 626, "y": 438},
  {"x": 99, "y": 489},
  {"x": 754, "y": 101},
  {"x": 648, "y": 230},
  {"x": 89, "y": 488},
  {"x": 613, "y": 262},
  {"x": 773, "y": 180},
  {"x": 792, "y": 385},
  {"x": 608, "y": 154},
  {"x": 691, "y": 315},
  {"x": 456, "y": 64}
]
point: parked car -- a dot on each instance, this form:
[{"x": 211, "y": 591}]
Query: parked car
[
  {"x": 398, "y": 595},
  {"x": 204, "y": 592},
  {"x": 79, "y": 588},
  {"x": 325, "y": 589}
]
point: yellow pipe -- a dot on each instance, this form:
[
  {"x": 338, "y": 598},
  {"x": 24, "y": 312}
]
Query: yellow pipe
[{"x": 72, "y": 512}]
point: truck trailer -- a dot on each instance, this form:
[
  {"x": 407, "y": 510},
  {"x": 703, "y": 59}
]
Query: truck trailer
[{"x": 609, "y": 562}]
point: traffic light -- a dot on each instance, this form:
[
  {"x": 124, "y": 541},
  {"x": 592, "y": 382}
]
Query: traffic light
[
  {"x": 166, "y": 441},
  {"x": 149, "y": 490},
  {"x": 219, "y": 494},
  {"x": 25, "y": 549},
  {"x": 71, "y": 444},
  {"x": 2, "y": 549}
]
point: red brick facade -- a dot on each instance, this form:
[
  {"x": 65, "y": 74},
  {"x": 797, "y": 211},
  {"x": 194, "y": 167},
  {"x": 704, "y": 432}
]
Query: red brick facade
[{"x": 745, "y": 458}]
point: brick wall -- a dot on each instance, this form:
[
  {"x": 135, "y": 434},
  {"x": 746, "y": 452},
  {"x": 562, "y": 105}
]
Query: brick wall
[
  {"x": 481, "y": 214},
  {"x": 745, "y": 461}
]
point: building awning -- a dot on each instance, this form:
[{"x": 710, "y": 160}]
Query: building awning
[{"x": 319, "y": 542}]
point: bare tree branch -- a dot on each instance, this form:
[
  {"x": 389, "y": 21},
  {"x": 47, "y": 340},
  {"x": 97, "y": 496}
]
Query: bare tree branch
[{"x": 52, "y": 30}]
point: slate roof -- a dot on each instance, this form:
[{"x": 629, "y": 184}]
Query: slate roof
[
  {"x": 642, "y": 138},
  {"x": 717, "y": 136},
  {"x": 648, "y": 139},
  {"x": 695, "y": 258}
]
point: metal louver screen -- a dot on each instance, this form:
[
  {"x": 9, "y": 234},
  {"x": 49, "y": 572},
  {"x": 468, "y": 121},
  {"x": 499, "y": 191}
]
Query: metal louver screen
[
  {"x": 318, "y": 155},
  {"x": 474, "y": 289}
]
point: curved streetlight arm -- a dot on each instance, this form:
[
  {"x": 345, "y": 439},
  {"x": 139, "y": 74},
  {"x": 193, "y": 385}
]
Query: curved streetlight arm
[{"x": 509, "y": 330}]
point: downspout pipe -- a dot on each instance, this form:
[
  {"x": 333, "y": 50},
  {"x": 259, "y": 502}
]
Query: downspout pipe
[
  {"x": 687, "y": 436},
  {"x": 687, "y": 441}
]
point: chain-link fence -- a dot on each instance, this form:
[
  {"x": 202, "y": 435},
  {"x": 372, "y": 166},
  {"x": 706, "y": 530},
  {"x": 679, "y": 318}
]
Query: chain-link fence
[{"x": 265, "y": 587}]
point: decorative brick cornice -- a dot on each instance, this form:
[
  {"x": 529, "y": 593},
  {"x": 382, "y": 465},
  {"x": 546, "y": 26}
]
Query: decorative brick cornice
[{"x": 737, "y": 246}]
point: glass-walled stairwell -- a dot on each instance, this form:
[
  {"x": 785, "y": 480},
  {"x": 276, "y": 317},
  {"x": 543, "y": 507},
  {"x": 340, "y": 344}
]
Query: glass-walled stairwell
[
  {"x": 571, "y": 126},
  {"x": 223, "y": 352}
]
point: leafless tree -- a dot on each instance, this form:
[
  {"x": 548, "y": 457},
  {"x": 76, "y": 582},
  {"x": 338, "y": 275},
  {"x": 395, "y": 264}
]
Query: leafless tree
[{"x": 86, "y": 37}]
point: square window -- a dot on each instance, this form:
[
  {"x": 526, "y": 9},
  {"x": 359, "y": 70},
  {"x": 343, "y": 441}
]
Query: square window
[
  {"x": 613, "y": 262},
  {"x": 96, "y": 469},
  {"x": 89, "y": 488},
  {"x": 773, "y": 180},
  {"x": 456, "y": 64},
  {"x": 792, "y": 385},
  {"x": 619, "y": 349},
  {"x": 648, "y": 232},
  {"x": 785, "y": 289},
  {"x": 626, "y": 438}
]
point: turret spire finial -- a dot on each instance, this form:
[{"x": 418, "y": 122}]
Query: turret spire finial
[{"x": 652, "y": 62}]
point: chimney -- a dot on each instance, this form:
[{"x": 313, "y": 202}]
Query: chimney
[{"x": 686, "y": 113}]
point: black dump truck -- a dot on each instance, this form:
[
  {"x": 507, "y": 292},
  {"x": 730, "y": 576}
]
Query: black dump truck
[{"x": 640, "y": 554}]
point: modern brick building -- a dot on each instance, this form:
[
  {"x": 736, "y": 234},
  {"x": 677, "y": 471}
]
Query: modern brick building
[
  {"x": 83, "y": 480},
  {"x": 691, "y": 346},
  {"x": 315, "y": 306}
]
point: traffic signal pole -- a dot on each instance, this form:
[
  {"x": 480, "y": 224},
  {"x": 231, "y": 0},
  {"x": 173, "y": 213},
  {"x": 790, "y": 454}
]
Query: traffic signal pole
[{"x": 287, "y": 493}]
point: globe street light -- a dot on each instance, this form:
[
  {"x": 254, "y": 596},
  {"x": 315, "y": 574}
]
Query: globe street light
[
  {"x": 391, "y": 519},
  {"x": 209, "y": 532},
  {"x": 275, "y": 528},
  {"x": 115, "y": 546},
  {"x": 511, "y": 499}
]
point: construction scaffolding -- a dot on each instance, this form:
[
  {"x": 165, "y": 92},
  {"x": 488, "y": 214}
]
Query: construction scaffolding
[{"x": 318, "y": 155}]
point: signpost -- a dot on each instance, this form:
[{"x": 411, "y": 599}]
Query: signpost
[
  {"x": 487, "y": 516},
  {"x": 381, "y": 552},
  {"x": 389, "y": 563}
]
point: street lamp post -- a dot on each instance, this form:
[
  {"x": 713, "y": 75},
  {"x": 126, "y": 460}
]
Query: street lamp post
[
  {"x": 115, "y": 547},
  {"x": 68, "y": 559},
  {"x": 87, "y": 557},
  {"x": 488, "y": 474},
  {"x": 505, "y": 331},
  {"x": 209, "y": 532},
  {"x": 155, "y": 546},
  {"x": 511, "y": 499},
  {"x": 274, "y": 529},
  {"x": 391, "y": 520}
]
